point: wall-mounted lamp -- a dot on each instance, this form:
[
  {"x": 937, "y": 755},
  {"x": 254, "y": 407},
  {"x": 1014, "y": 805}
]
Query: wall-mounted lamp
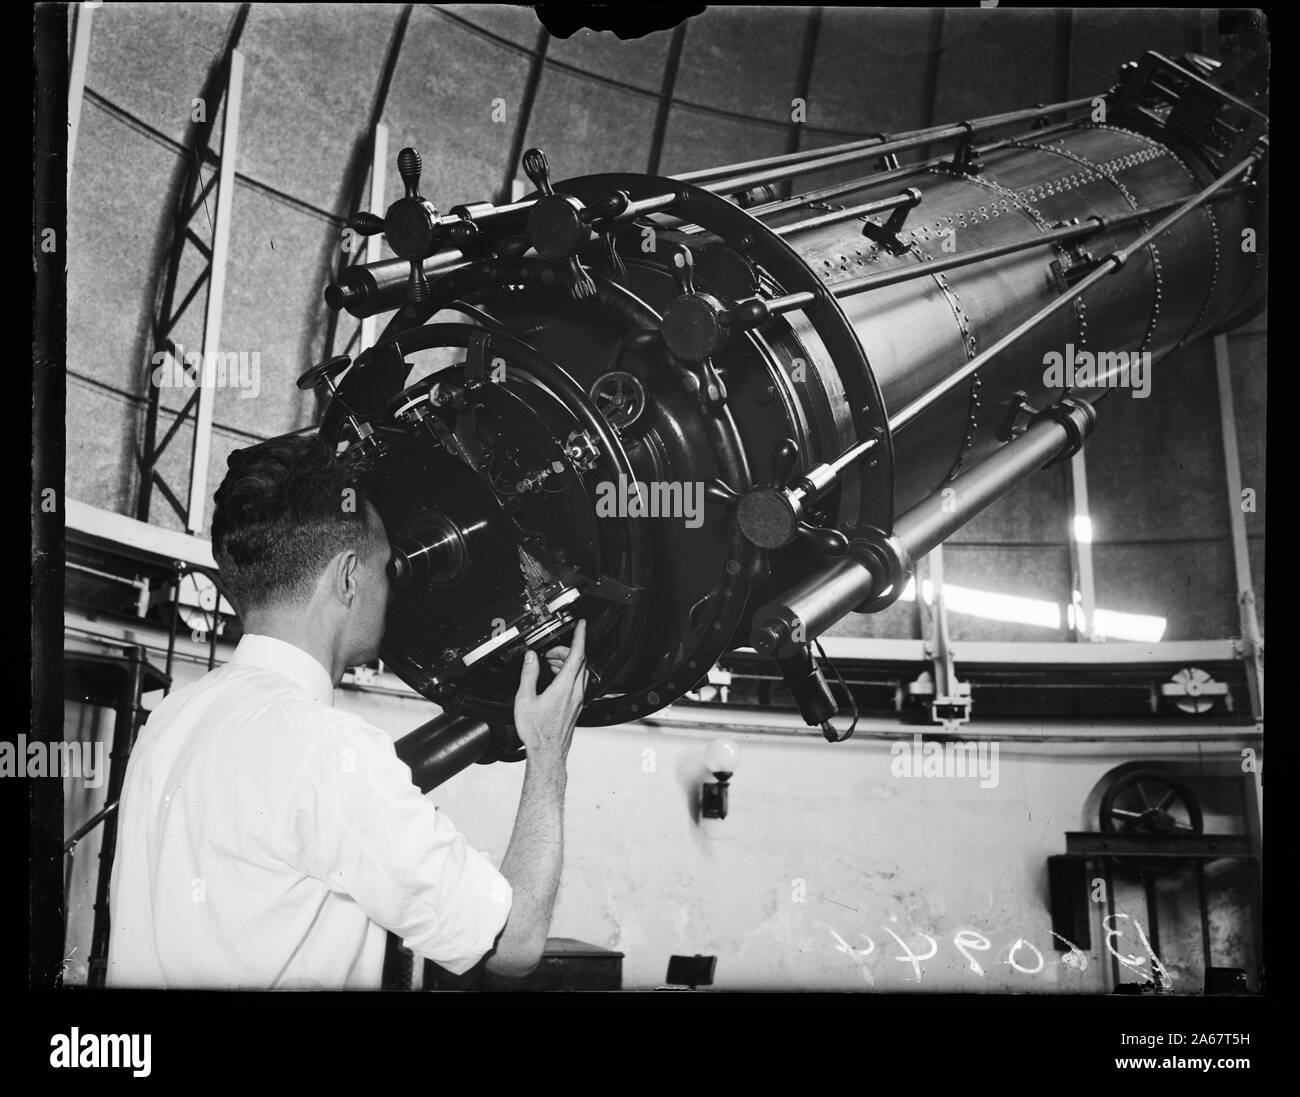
[{"x": 722, "y": 759}]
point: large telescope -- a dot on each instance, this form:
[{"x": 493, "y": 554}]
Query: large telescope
[{"x": 703, "y": 416}]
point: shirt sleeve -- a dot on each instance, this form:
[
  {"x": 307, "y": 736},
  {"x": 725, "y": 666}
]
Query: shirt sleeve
[{"x": 358, "y": 823}]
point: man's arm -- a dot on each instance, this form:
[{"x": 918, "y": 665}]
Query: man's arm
[{"x": 533, "y": 859}]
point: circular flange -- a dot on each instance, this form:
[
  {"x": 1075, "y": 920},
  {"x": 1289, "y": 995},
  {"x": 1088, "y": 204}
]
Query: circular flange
[{"x": 619, "y": 396}]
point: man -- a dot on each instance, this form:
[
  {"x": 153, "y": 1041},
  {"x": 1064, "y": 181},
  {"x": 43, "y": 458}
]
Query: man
[{"x": 267, "y": 839}]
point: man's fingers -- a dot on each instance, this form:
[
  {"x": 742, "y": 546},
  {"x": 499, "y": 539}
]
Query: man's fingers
[
  {"x": 528, "y": 676},
  {"x": 577, "y": 657}
]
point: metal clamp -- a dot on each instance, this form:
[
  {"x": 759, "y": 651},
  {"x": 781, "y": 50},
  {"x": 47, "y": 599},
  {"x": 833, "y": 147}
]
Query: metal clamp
[{"x": 1064, "y": 412}]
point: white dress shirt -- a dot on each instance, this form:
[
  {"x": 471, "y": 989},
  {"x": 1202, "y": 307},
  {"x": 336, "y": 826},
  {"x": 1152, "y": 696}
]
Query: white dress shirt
[{"x": 267, "y": 839}]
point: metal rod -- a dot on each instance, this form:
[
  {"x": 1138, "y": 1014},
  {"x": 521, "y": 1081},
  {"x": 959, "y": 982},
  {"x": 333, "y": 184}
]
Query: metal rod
[
  {"x": 366, "y": 289},
  {"x": 374, "y": 244},
  {"x": 874, "y": 178},
  {"x": 77, "y": 77},
  {"x": 853, "y": 454},
  {"x": 881, "y": 205},
  {"x": 667, "y": 87},
  {"x": 934, "y": 520},
  {"x": 1107, "y": 266},
  {"x": 852, "y": 286},
  {"x": 870, "y": 146},
  {"x": 177, "y": 571},
  {"x": 790, "y": 302},
  {"x": 778, "y": 168},
  {"x": 653, "y": 204},
  {"x": 89, "y": 825},
  {"x": 1083, "y": 593},
  {"x": 1252, "y": 644},
  {"x": 864, "y": 282},
  {"x": 124, "y": 727},
  {"x": 1214, "y": 89},
  {"x": 946, "y": 685},
  {"x": 877, "y": 178},
  {"x": 196, "y": 504},
  {"x": 811, "y": 606},
  {"x": 525, "y": 113},
  {"x": 803, "y": 82}
]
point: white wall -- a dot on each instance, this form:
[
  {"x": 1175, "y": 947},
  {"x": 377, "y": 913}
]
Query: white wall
[{"x": 824, "y": 851}]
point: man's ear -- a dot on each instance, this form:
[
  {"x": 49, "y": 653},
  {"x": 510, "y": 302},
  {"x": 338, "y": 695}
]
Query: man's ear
[{"x": 344, "y": 569}]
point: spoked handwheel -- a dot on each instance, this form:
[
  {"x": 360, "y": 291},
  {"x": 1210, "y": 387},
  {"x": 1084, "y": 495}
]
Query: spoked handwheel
[{"x": 1149, "y": 801}]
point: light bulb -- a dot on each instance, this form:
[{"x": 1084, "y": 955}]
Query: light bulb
[{"x": 723, "y": 756}]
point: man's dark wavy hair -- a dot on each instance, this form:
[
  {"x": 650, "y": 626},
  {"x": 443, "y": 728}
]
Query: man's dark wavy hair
[{"x": 285, "y": 509}]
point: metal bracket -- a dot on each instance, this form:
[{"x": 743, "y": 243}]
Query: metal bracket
[
  {"x": 965, "y": 158},
  {"x": 1062, "y": 412},
  {"x": 888, "y": 162},
  {"x": 611, "y": 590},
  {"x": 1020, "y": 405},
  {"x": 1082, "y": 264},
  {"x": 886, "y": 235},
  {"x": 950, "y": 704}
]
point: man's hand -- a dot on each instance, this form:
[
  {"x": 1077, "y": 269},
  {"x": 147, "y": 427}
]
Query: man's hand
[
  {"x": 532, "y": 862},
  {"x": 545, "y": 720}
]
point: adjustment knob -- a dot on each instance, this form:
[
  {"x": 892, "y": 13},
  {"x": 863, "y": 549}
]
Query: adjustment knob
[
  {"x": 367, "y": 224},
  {"x": 411, "y": 223},
  {"x": 558, "y": 225},
  {"x": 692, "y": 326},
  {"x": 684, "y": 269},
  {"x": 324, "y": 373},
  {"x": 538, "y": 169},
  {"x": 785, "y": 459},
  {"x": 411, "y": 226},
  {"x": 555, "y": 224}
]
